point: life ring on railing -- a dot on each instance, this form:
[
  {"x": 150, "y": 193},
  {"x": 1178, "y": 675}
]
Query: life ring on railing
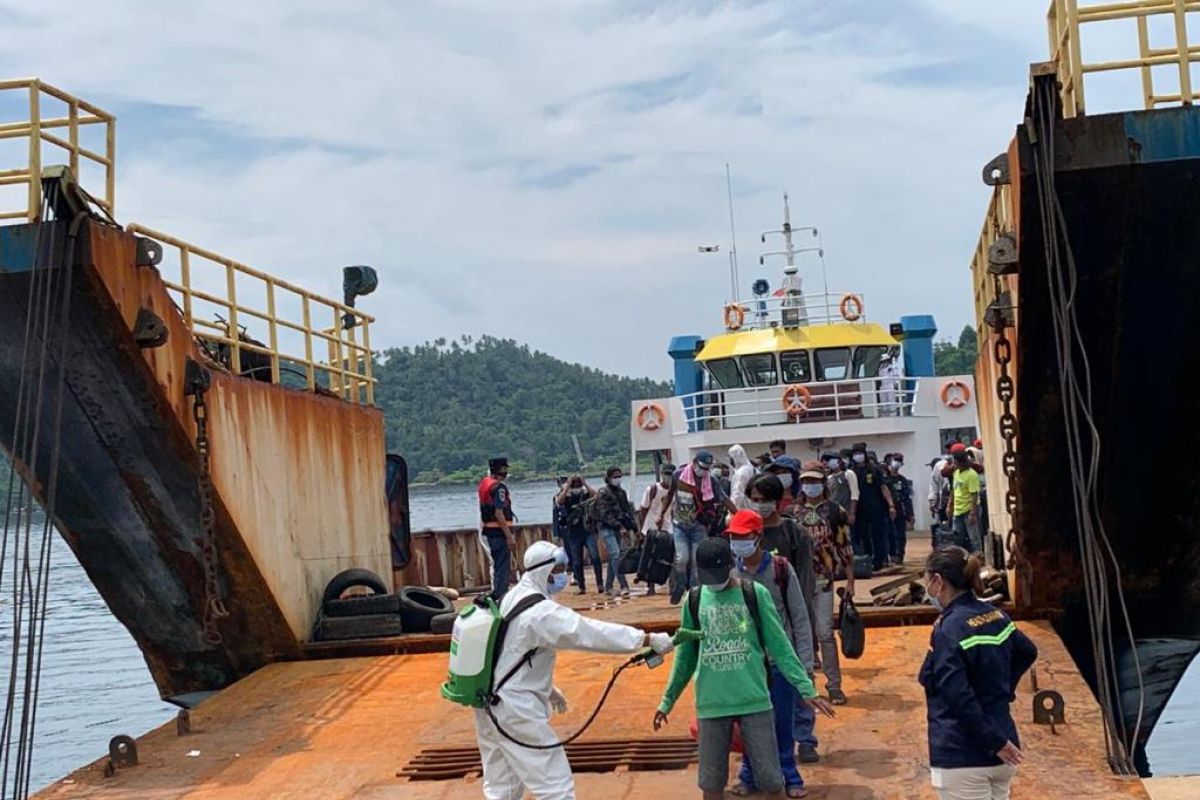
[
  {"x": 650, "y": 417},
  {"x": 796, "y": 401},
  {"x": 851, "y": 307},
  {"x": 955, "y": 394},
  {"x": 735, "y": 317}
]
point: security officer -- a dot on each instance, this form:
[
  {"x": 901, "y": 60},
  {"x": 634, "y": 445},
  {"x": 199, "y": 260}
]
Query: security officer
[
  {"x": 902, "y": 496},
  {"x": 876, "y": 509},
  {"x": 976, "y": 657},
  {"x": 495, "y": 512}
]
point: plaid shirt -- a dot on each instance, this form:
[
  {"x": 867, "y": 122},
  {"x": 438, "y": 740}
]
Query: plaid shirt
[{"x": 829, "y": 530}]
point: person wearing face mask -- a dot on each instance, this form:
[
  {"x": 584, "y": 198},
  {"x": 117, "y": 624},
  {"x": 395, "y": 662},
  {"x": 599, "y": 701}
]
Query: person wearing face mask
[
  {"x": 824, "y": 521},
  {"x": 787, "y": 470},
  {"x": 976, "y": 658},
  {"x": 615, "y": 514},
  {"x": 572, "y": 497},
  {"x": 694, "y": 498},
  {"x": 902, "y": 493},
  {"x": 876, "y": 509},
  {"x": 741, "y": 630},
  {"x": 527, "y": 699},
  {"x": 756, "y": 560},
  {"x": 842, "y": 484},
  {"x": 964, "y": 501},
  {"x": 656, "y": 543},
  {"x": 743, "y": 473}
]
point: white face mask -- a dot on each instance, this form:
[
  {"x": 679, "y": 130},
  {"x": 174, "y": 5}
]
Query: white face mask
[
  {"x": 558, "y": 582},
  {"x": 832, "y": 465},
  {"x": 786, "y": 480},
  {"x": 897, "y": 464},
  {"x": 812, "y": 490},
  {"x": 743, "y": 548},
  {"x": 765, "y": 509},
  {"x": 615, "y": 481},
  {"x": 703, "y": 470},
  {"x": 860, "y": 458}
]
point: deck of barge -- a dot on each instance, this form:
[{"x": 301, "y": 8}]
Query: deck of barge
[{"x": 343, "y": 728}]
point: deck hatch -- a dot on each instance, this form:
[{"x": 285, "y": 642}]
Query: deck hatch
[{"x": 601, "y": 755}]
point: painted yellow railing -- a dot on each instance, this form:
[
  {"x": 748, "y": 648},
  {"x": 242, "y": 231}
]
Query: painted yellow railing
[
  {"x": 314, "y": 319},
  {"x": 37, "y": 130},
  {"x": 1065, "y": 19}
]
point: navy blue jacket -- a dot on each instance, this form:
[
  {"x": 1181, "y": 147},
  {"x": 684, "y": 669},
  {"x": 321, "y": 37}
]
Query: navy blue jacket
[{"x": 976, "y": 657}]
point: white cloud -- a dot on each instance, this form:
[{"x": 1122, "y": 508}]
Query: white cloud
[{"x": 544, "y": 170}]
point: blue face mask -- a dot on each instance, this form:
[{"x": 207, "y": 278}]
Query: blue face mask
[
  {"x": 558, "y": 582},
  {"x": 743, "y": 548}
]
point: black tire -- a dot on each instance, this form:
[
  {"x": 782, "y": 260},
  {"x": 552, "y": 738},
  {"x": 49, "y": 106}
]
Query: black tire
[
  {"x": 364, "y": 604},
  {"x": 418, "y": 607},
  {"x": 365, "y": 626},
  {"x": 348, "y": 579},
  {"x": 442, "y": 623}
]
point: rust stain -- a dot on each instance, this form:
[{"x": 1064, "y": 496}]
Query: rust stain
[{"x": 329, "y": 729}]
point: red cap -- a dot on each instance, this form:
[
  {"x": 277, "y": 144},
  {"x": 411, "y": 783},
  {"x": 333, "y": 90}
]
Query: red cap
[
  {"x": 744, "y": 523},
  {"x": 979, "y": 443},
  {"x": 958, "y": 448}
]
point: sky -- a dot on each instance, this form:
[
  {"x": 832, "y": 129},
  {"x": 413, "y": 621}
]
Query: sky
[{"x": 545, "y": 171}]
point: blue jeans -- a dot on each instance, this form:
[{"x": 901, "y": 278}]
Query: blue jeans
[
  {"x": 501, "y": 561},
  {"x": 967, "y": 535},
  {"x": 783, "y": 701},
  {"x": 804, "y": 723},
  {"x": 687, "y": 539},
  {"x": 612, "y": 544},
  {"x": 577, "y": 540}
]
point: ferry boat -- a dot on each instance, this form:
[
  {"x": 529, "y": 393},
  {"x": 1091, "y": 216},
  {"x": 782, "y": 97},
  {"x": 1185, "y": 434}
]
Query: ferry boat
[
  {"x": 213, "y": 481},
  {"x": 813, "y": 370}
]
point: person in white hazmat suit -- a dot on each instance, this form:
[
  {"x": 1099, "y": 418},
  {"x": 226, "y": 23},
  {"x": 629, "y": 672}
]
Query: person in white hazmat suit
[
  {"x": 529, "y": 696},
  {"x": 889, "y": 386},
  {"x": 743, "y": 473}
]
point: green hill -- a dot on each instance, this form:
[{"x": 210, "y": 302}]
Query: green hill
[{"x": 450, "y": 406}]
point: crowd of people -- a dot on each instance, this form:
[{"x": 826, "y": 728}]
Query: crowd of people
[{"x": 759, "y": 546}]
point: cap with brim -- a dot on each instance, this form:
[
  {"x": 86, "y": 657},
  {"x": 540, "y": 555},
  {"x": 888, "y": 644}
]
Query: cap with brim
[
  {"x": 746, "y": 522},
  {"x": 704, "y": 457},
  {"x": 714, "y": 559},
  {"x": 813, "y": 469}
]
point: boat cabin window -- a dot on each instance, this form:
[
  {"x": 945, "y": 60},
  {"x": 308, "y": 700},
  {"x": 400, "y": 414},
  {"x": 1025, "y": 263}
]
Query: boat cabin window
[
  {"x": 726, "y": 373},
  {"x": 866, "y": 361},
  {"x": 796, "y": 366},
  {"x": 760, "y": 369},
  {"x": 832, "y": 363}
]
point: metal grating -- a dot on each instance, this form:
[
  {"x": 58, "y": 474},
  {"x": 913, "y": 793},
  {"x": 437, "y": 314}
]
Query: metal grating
[{"x": 603, "y": 755}]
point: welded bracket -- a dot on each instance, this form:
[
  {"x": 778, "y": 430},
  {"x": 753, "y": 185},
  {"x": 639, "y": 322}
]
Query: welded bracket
[
  {"x": 122, "y": 751},
  {"x": 196, "y": 378},
  {"x": 1049, "y": 708},
  {"x": 149, "y": 330},
  {"x": 1003, "y": 255},
  {"x": 149, "y": 252},
  {"x": 996, "y": 172}
]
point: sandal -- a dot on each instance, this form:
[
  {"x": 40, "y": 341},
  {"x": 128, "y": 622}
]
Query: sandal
[
  {"x": 741, "y": 790},
  {"x": 797, "y": 791}
]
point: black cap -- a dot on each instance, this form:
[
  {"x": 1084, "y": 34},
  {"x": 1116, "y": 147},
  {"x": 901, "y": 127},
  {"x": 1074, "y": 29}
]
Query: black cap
[
  {"x": 859, "y": 447},
  {"x": 494, "y": 464},
  {"x": 714, "y": 559}
]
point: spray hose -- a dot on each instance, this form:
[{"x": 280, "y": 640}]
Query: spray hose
[{"x": 646, "y": 655}]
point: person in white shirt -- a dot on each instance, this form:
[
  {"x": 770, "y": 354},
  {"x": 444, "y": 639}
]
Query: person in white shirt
[
  {"x": 653, "y": 498},
  {"x": 743, "y": 473},
  {"x": 889, "y": 386}
]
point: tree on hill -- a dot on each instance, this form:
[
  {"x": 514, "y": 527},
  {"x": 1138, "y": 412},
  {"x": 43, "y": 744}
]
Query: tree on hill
[
  {"x": 956, "y": 359},
  {"x": 449, "y": 406}
]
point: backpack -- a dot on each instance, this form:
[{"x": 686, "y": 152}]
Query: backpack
[
  {"x": 750, "y": 598},
  {"x": 591, "y": 522},
  {"x": 476, "y": 643}
]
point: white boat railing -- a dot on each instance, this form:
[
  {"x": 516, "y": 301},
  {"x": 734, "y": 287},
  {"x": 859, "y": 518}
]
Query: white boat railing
[
  {"x": 790, "y": 311},
  {"x": 834, "y": 401}
]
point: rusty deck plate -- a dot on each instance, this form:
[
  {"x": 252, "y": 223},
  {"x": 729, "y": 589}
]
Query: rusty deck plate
[{"x": 603, "y": 755}]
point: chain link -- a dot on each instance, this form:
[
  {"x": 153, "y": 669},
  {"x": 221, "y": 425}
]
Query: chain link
[
  {"x": 1006, "y": 393},
  {"x": 214, "y": 607}
]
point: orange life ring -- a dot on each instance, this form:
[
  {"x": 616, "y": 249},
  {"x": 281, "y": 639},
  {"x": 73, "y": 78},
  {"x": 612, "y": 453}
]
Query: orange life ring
[
  {"x": 650, "y": 417},
  {"x": 735, "y": 317},
  {"x": 955, "y": 394},
  {"x": 796, "y": 401},
  {"x": 849, "y": 300}
]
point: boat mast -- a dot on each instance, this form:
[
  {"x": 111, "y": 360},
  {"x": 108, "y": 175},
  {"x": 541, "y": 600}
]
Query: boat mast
[{"x": 733, "y": 262}]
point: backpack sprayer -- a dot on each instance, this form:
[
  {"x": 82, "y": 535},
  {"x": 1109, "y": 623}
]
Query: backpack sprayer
[{"x": 475, "y": 646}]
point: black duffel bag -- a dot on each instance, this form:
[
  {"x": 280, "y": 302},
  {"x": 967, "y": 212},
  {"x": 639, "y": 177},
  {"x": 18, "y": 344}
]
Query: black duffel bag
[
  {"x": 850, "y": 626},
  {"x": 629, "y": 560}
]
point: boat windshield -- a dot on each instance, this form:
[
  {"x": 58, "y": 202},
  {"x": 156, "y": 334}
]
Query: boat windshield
[
  {"x": 866, "y": 361},
  {"x": 832, "y": 363},
  {"x": 726, "y": 373},
  {"x": 796, "y": 367},
  {"x": 760, "y": 369}
]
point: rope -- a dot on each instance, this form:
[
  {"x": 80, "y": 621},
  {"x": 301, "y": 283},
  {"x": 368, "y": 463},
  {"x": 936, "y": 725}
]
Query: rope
[{"x": 1098, "y": 561}]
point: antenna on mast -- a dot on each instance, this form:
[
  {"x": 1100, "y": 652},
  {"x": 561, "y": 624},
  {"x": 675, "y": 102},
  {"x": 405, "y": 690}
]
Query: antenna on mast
[{"x": 733, "y": 262}]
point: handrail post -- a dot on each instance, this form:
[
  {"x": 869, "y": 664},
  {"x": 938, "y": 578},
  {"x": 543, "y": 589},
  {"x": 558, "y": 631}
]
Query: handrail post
[
  {"x": 185, "y": 278},
  {"x": 235, "y": 341},
  {"x": 35, "y": 151},
  {"x": 1185, "y": 63},
  {"x": 73, "y": 135},
  {"x": 310, "y": 369},
  {"x": 369, "y": 367},
  {"x": 272, "y": 332}
]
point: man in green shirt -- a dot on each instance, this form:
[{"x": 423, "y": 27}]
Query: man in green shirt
[
  {"x": 964, "y": 501},
  {"x": 741, "y": 627}
]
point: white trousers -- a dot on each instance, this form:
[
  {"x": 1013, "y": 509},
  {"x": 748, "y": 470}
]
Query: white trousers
[
  {"x": 973, "y": 783},
  {"x": 509, "y": 769}
]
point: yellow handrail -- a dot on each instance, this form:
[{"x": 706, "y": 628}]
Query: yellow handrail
[
  {"x": 1065, "y": 18},
  {"x": 79, "y": 113},
  {"x": 348, "y": 371}
]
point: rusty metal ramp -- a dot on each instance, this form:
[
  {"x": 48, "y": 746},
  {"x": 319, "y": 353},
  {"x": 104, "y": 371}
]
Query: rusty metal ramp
[{"x": 603, "y": 755}]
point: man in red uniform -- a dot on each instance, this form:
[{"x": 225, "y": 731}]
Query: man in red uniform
[{"x": 495, "y": 510}]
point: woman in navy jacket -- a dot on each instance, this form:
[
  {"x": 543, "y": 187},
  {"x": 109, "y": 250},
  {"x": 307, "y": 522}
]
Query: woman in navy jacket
[{"x": 976, "y": 657}]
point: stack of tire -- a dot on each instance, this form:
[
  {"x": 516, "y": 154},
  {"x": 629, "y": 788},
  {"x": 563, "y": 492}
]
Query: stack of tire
[{"x": 357, "y": 605}]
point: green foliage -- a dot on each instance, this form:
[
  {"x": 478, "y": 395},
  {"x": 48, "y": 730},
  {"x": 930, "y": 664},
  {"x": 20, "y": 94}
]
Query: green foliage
[
  {"x": 450, "y": 406},
  {"x": 956, "y": 359}
]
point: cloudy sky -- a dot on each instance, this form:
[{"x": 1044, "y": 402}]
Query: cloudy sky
[{"x": 545, "y": 170}]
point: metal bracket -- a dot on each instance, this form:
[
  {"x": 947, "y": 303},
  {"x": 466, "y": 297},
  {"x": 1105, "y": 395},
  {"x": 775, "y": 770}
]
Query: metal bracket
[
  {"x": 149, "y": 331},
  {"x": 1048, "y": 708},
  {"x": 122, "y": 751},
  {"x": 149, "y": 252},
  {"x": 1003, "y": 255},
  {"x": 996, "y": 172},
  {"x": 196, "y": 379},
  {"x": 998, "y": 314},
  {"x": 183, "y": 723}
]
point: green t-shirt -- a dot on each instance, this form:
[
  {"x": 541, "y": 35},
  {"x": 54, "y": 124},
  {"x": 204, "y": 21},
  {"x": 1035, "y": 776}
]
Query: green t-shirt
[
  {"x": 731, "y": 678},
  {"x": 966, "y": 483}
]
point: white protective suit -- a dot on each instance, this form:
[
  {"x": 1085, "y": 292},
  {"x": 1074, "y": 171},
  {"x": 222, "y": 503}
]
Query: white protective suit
[
  {"x": 524, "y": 708},
  {"x": 889, "y": 387},
  {"x": 743, "y": 473}
]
